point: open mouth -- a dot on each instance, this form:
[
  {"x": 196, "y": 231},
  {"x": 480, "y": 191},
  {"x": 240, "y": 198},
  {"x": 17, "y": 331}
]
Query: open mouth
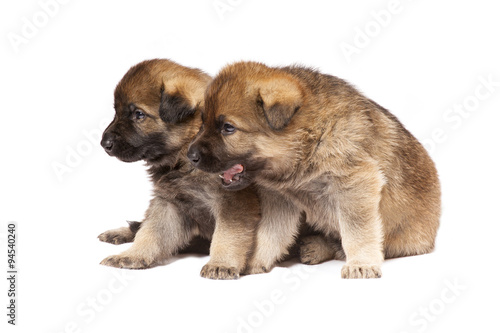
[{"x": 233, "y": 175}]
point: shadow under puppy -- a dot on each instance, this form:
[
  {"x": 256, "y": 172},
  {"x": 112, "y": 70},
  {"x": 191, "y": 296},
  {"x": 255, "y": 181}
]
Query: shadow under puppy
[
  {"x": 156, "y": 105},
  {"x": 360, "y": 177}
]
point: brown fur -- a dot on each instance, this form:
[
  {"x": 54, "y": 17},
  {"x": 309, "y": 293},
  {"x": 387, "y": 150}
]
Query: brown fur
[
  {"x": 157, "y": 115},
  {"x": 361, "y": 178}
]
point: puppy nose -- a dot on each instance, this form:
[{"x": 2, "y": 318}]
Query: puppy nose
[
  {"x": 108, "y": 139},
  {"x": 194, "y": 155}
]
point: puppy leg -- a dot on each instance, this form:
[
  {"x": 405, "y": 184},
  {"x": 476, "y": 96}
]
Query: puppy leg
[
  {"x": 120, "y": 235},
  {"x": 360, "y": 225},
  {"x": 161, "y": 235},
  {"x": 236, "y": 215},
  {"x": 318, "y": 248},
  {"x": 276, "y": 232}
]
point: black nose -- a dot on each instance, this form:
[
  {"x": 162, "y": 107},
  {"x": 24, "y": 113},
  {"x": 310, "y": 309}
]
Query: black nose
[
  {"x": 108, "y": 140},
  {"x": 194, "y": 155}
]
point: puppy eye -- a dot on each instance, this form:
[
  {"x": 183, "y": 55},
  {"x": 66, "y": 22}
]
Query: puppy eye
[
  {"x": 139, "y": 115},
  {"x": 228, "y": 129}
]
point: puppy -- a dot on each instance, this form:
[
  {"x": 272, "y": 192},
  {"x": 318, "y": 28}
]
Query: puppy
[
  {"x": 156, "y": 105},
  {"x": 360, "y": 177}
]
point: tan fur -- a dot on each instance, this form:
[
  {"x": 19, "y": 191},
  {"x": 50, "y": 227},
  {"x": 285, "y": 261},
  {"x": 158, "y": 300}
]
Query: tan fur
[
  {"x": 117, "y": 236},
  {"x": 188, "y": 204},
  {"x": 358, "y": 174},
  {"x": 231, "y": 242},
  {"x": 317, "y": 249},
  {"x": 274, "y": 239}
]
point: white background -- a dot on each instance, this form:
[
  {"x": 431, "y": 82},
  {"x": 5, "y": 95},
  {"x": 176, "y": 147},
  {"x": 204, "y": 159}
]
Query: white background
[{"x": 57, "y": 85}]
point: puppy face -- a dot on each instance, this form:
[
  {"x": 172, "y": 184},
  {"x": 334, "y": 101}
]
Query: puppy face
[
  {"x": 248, "y": 112},
  {"x": 155, "y": 106}
]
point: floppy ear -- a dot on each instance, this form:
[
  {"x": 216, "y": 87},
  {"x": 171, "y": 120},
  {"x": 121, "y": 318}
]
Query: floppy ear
[
  {"x": 280, "y": 99},
  {"x": 174, "y": 108}
]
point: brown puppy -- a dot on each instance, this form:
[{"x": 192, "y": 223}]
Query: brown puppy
[
  {"x": 157, "y": 116},
  {"x": 360, "y": 176}
]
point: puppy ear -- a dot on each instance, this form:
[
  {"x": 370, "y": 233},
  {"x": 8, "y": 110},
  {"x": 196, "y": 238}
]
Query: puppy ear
[
  {"x": 280, "y": 99},
  {"x": 174, "y": 108}
]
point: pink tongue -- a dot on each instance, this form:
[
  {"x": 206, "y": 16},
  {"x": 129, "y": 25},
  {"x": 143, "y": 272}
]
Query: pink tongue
[{"x": 231, "y": 172}]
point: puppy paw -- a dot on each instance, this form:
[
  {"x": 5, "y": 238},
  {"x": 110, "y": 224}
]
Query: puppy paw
[
  {"x": 219, "y": 272},
  {"x": 257, "y": 269},
  {"x": 129, "y": 262},
  {"x": 315, "y": 250},
  {"x": 117, "y": 236},
  {"x": 356, "y": 271}
]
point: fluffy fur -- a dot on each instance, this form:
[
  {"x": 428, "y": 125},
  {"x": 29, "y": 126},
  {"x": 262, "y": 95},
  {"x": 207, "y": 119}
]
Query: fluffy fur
[
  {"x": 321, "y": 147},
  {"x": 157, "y": 115}
]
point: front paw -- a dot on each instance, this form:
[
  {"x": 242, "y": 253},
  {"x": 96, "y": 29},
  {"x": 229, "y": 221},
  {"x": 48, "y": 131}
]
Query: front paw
[
  {"x": 357, "y": 271},
  {"x": 129, "y": 262},
  {"x": 219, "y": 272}
]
